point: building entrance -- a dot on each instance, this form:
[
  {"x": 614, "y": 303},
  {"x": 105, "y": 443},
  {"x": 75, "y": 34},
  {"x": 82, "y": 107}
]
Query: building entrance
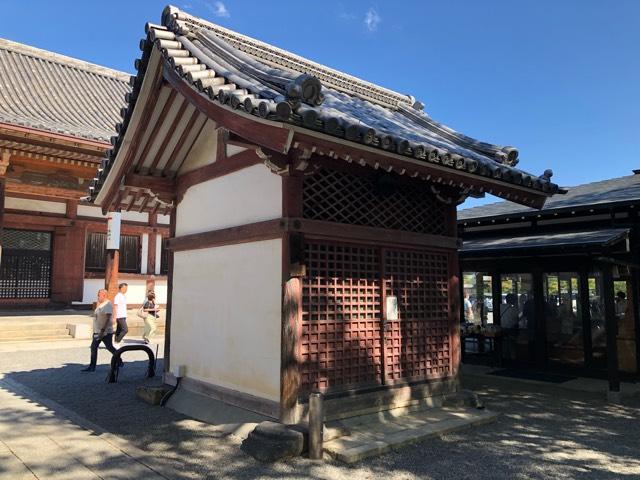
[{"x": 25, "y": 266}]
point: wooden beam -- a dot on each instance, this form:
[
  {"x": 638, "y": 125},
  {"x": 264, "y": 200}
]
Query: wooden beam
[
  {"x": 174, "y": 125},
  {"x": 28, "y": 189},
  {"x": 50, "y": 137},
  {"x": 158, "y": 185},
  {"x": 34, "y": 219},
  {"x": 253, "y": 232},
  {"x": 173, "y": 158},
  {"x": 215, "y": 170},
  {"x": 337, "y": 148},
  {"x": 370, "y": 235},
  {"x": 155, "y": 129},
  {"x": 272, "y": 135}
]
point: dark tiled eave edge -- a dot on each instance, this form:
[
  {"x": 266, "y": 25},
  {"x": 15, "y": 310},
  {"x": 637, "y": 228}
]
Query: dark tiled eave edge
[{"x": 185, "y": 58}]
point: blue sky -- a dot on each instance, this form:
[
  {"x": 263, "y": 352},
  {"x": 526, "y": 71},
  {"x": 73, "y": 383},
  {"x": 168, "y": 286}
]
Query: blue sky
[{"x": 559, "y": 79}]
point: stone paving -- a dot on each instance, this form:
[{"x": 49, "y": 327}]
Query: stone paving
[{"x": 542, "y": 433}]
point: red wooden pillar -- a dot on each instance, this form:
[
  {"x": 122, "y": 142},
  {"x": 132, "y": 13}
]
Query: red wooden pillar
[
  {"x": 167, "y": 324},
  {"x": 111, "y": 273},
  {"x": 292, "y": 271}
]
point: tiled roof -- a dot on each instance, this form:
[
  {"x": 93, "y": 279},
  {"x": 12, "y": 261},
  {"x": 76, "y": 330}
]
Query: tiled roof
[
  {"x": 604, "y": 237},
  {"x": 256, "y": 78},
  {"x": 611, "y": 191},
  {"x": 59, "y": 94}
]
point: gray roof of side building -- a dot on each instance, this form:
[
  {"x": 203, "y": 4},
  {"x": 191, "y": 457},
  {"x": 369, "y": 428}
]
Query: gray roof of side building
[
  {"x": 58, "y": 94},
  {"x": 271, "y": 83},
  {"x": 613, "y": 191},
  {"x": 527, "y": 243}
]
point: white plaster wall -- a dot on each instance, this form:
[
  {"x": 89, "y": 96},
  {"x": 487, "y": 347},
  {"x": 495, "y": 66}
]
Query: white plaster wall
[
  {"x": 226, "y": 316},
  {"x": 136, "y": 294},
  {"x": 204, "y": 149},
  {"x": 249, "y": 195},
  {"x": 96, "y": 212},
  {"x": 35, "y": 205},
  {"x": 164, "y": 219},
  {"x": 144, "y": 257}
]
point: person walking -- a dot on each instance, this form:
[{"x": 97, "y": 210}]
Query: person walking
[
  {"x": 102, "y": 329},
  {"x": 151, "y": 309},
  {"x": 120, "y": 303}
]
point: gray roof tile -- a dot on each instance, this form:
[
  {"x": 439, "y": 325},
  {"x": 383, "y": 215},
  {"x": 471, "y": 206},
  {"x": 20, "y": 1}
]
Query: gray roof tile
[
  {"x": 611, "y": 191},
  {"x": 46, "y": 91},
  {"x": 503, "y": 244}
]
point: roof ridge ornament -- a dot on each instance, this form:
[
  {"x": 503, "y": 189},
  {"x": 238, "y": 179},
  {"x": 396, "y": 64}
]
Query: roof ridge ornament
[
  {"x": 305, "y": 88},
  {"x": 183, "y": 23}
]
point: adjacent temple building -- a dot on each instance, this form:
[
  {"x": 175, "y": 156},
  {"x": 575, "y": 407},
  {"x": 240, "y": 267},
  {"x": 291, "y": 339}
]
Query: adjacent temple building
[
  {"x": 56, "y": 117},
  {"x": 313, "y": 241}
]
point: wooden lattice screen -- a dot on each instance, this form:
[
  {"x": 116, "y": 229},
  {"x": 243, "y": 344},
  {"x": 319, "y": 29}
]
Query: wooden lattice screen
[
  {"x": 341, "y": 343},
  {"x": 417, "y": 345},
  {"x": 342, "y": 325},
  {"x": 341, "y": 197}
]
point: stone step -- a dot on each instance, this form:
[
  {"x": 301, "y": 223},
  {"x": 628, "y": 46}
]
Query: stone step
[
  {"x": 372, "y": 435},
  {"x": 36, "y": 339},
  {"x": 42, "y": 333}
]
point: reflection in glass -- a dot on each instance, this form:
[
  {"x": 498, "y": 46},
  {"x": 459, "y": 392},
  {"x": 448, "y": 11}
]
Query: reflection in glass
[
  {"x": 477, "y": 302},
  {"x": 563, "y": 318},
  {"x": 517, "y": 316}
]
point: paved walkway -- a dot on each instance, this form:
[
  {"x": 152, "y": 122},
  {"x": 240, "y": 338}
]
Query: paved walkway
[
  {"x": 40, "y": 443},
  {"x": 543, "y": 432}
]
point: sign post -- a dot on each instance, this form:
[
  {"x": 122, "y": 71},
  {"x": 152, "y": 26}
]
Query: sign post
[{"x": 113, "y": 257}]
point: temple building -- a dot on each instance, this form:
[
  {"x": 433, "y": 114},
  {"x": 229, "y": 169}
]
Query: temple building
[
  {"x": 573, "y": 267},
  {"x": 313, "y": 241},
  {"x": 57, "y": 115}
]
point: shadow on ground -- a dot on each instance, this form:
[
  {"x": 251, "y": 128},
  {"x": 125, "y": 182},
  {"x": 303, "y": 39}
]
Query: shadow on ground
[{"x": 544, "y": 432}]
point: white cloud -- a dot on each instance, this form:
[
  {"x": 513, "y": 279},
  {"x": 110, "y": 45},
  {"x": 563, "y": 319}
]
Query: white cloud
[
  {"x": 372, "y": 20},
  {"x": 219, "y": 9}
]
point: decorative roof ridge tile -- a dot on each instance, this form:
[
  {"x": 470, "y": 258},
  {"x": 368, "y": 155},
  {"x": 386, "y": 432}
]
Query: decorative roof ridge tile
[
  {"x": 174, "y": 19},
  {"x": 58, "y": 58}
]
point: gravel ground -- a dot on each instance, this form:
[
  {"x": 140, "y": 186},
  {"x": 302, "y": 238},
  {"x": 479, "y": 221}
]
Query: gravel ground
[{"x": 543, "y": 432}]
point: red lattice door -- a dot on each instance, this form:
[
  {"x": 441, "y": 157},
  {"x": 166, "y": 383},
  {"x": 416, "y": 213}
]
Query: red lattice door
[
  {"x": 341, "y": 343},
  {"x": 346, "y": 343},
  {"x": 417, "y": 344}
]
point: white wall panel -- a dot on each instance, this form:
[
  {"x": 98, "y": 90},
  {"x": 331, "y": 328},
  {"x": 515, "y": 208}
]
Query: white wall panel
[
  {"x": 35, "y": 205},
  {"x": 249, "y": 195},
  {"x": 226, "y": 316}
]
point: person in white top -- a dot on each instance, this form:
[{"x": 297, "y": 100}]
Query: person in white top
[{"x": 120, "y": 304}]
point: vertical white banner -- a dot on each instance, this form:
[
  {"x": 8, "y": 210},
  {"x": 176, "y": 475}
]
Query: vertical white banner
[{"x": 113, "y": 230}]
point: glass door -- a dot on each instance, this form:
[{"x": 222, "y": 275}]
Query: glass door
[
  {"x": 626, "y": 330},
  {"x": 517, "y": 317},
  {"x": 563, "y": 319}
]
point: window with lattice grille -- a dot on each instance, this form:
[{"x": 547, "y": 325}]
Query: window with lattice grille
[
  {"x": 342, "y": 197},
  {"x": 96, "y": 253},
  {"x": 25, "y": 269}
]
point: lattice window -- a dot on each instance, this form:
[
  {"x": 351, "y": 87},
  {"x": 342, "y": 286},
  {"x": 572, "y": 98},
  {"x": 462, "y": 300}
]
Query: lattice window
[
  {"x": 417, "y": 345},
  {"x": 25, "y": 269},
  {"x": 96, "y": 253},
  {"x": 372, "y": 201},
  {"x": 341, "y": 342}
]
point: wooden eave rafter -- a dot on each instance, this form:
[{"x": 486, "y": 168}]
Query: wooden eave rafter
[
  {"x": 110, "y": 193},
  {"x": 273, "y": 135},
  {"x": 43, "y": 138},
  {"x": 308, "y": 143}
]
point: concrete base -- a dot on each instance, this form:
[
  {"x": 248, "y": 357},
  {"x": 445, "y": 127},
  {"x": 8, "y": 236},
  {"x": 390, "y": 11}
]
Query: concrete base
[
  {"x": 227, "y": 419},
  {"x": 614, "y": 397},
  {"x": 375, "y": 434},
  {"x": 79, "y": 330}
]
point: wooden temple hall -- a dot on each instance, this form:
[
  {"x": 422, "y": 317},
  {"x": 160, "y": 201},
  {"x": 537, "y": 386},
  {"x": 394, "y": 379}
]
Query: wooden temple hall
[
  {"x": 57, "y": 115},
  {"x": 313, "y": 241},
  {"x": 572, "y": 269}
]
